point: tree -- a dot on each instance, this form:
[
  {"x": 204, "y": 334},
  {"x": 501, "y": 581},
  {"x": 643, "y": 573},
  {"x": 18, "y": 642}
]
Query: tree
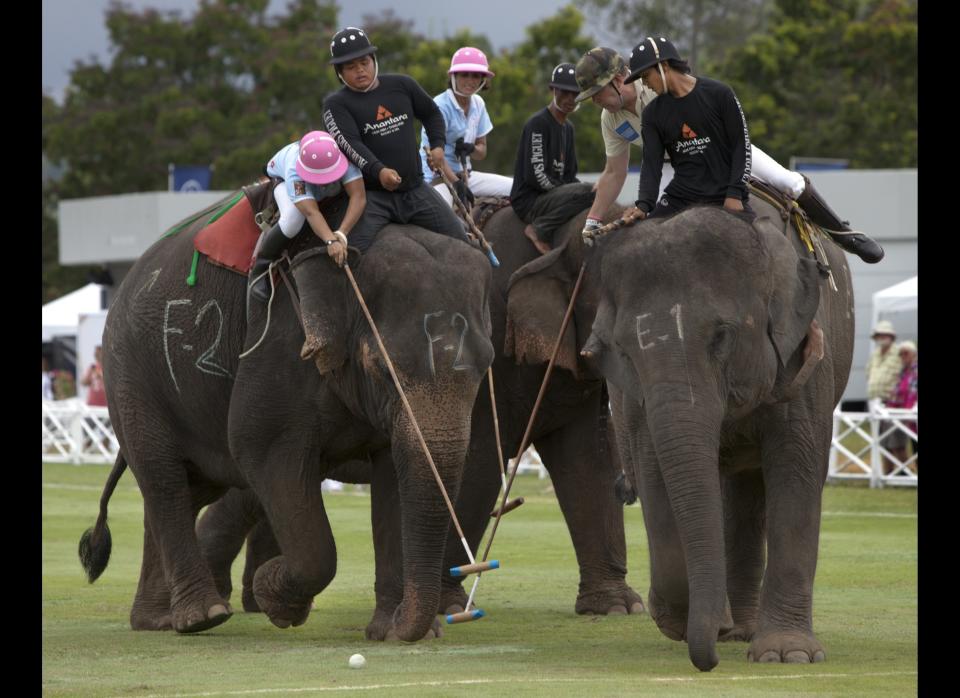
[
  {"x": 833, "y": 79},
  {"x": 702, "y": 30}
]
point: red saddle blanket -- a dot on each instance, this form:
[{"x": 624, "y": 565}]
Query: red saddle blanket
[{"x": 230, "y": 236}]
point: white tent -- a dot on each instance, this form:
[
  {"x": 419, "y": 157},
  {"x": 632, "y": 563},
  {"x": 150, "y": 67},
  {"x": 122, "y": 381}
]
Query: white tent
[
  {"x": 899, "y": 298},
  {"x": 62, "y": 316}
]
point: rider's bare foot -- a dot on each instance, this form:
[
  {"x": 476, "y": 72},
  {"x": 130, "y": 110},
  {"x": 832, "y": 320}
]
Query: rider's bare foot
[{"x": 531, "y": 234}]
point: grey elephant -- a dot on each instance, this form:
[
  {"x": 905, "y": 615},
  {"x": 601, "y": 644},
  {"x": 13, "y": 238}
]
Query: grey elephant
[
  {"x": 723, "y": 415},
  {"x": 571, "y": 434},
  {"x": 193, "y": 420}
]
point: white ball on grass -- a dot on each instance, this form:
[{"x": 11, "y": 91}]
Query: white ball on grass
[{"x": 357, "y": 661}]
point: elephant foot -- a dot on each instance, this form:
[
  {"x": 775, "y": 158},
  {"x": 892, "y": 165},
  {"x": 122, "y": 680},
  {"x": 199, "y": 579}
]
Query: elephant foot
[
  {"x": 619, "y": 600},
  {"x": 786, "y": 646},
  {"x": 150, "y": 619},
  {"x": 382, "y": 629},
  {"x": 452, "y": 601},
  {"x": 274, "y": 598},
  {"x": 194, "y": 620},
  {"x": 739, "y": 633},
  {"x": 672, "y": 620},
  {"x": 249, "y": 601}
]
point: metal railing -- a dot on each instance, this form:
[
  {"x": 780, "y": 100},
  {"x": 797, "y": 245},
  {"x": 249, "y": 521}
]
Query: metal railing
[
  {"x": 861, "y": 448},
  {"x": 76, "y": 433}
]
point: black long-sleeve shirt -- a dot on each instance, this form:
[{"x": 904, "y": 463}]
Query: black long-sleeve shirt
[
  {"x": 706, "y": 134},
  {"x": 546, "y": 158},
  {"x": 375, "y": 129}
]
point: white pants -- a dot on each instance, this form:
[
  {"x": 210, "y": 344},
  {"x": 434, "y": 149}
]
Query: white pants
[
  {"x": 291, "y": 220},
  {"x": 770, "y": 171},
  {"x": 481, "y": 184}
]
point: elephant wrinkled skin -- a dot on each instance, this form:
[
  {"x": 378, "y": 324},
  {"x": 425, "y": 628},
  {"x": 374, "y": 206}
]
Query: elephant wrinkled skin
[{"x": 193, "y": 419}]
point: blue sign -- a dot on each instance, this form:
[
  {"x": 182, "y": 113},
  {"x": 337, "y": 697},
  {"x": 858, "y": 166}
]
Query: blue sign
[{"x": 187, "y": 178}]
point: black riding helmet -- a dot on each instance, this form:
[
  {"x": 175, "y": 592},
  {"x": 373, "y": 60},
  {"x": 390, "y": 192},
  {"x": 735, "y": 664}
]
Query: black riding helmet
[
  {"x": 648, "y": 53},
  {"x": 349, "y": 44},
  {"x": 564, "y": 78}
]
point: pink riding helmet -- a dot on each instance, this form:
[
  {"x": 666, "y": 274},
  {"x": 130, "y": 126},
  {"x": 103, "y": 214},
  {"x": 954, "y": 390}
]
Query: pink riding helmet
[
  {"x": 320, "y": 160},
  {"x": 470, "y": 60}
]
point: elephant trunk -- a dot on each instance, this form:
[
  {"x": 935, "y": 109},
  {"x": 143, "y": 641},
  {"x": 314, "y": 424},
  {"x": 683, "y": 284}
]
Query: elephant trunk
[
  {"x": 686, "y": 439},
  {"x": 425, "y": 518}
]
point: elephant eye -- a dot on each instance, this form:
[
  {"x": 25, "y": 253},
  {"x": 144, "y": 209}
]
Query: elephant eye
[{"x": 721, "y": 344}]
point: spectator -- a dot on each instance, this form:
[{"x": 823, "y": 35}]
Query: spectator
[
  {"x": 903, "y": 396},
  {"x": 46, "y": 383},
  {"x": 93, "y": 380},
  {"x": 883, "y": 368}
]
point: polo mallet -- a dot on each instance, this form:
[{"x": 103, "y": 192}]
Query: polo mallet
[
  {"x": 462, "y": 210},
  {"x": 588, "y": 236},
  {"x": 474, "y": 566},
  {"x": 509, "y": 506}
]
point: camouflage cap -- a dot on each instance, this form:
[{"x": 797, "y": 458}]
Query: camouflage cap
[{"x": 596, "y": 69}]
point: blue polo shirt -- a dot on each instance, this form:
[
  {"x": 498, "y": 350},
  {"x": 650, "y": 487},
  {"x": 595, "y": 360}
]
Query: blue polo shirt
[
  {"x": 284, "y": 165},
  {"x": 459, "y": 125}
]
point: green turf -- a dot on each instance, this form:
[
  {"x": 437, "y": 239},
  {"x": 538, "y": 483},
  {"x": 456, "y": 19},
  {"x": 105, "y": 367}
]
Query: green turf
[{"x": 531, "y": 643}]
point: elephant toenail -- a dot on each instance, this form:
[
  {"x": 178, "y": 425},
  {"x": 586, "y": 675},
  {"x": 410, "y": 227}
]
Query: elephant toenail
[
  {"x": 637, "y": 607},
  {"x": 819, "y": 656},
  {"x": 769, "y": 656},
  {"x": 618, "y": 610},
  {"x": 797, "y": 657}
]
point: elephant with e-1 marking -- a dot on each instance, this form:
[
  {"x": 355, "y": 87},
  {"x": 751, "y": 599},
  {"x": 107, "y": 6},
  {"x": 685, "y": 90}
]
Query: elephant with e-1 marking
[{"x": 701, "y": 331}]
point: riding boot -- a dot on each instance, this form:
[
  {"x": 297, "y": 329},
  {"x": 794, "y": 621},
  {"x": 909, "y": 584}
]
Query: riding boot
[
  {"x": 270, "y": 248},
  {"x": 850, "y": 240}
]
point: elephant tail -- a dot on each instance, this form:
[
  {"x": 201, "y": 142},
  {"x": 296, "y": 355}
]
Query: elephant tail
[{"x": 96, "y": 543}]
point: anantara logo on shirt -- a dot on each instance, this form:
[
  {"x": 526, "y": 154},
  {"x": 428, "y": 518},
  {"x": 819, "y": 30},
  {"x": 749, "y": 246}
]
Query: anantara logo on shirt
[
  {"x": 385, "y": 123},
  {"x": 690, "y": 143},
  {"x": 688, "y": 132},
  {"x": 383, "y": 113}
]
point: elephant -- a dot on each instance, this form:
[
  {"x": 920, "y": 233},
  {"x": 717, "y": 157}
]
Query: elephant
[
  {"x": 526, "y": 308},
  {"x": 193, "y": 420},
  {"x": 722, "y": 406}
]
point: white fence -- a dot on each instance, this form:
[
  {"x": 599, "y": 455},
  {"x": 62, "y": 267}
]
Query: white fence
[
  {"x": 862, "y": 450},
  {"x": 76, "y": 433}
]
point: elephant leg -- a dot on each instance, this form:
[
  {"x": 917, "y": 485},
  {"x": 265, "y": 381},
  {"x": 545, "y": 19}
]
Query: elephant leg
[
  {"x": 221, "y": 531},
  {"x": 287, "y": 484},
  {"x": 170, "y": 508},
  {"x": 261, "y": 546},
  {"x": 585, "y": 485},
  {"x": 388, "y": 550},
  {"x": 794, "y": 469},
  {"x": 744, "y": 530},
  {"x": 151, "y": 605}
]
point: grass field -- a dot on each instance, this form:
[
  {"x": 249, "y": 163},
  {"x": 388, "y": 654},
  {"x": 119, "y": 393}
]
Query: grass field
[{"x": 531, "y": 643}]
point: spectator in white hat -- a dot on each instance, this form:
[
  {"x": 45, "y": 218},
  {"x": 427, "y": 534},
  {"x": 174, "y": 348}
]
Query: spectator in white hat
[{"x": 884, "y": 366}]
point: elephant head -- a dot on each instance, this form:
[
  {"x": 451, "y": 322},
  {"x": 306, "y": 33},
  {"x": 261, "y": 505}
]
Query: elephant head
[
  {"x": 428, "y": 296},
  {"x": 702, "y": 319}
]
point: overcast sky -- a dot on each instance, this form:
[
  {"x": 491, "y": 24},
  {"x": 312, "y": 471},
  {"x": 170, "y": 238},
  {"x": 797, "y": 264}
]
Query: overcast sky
[{"x": 74, "y": 29}]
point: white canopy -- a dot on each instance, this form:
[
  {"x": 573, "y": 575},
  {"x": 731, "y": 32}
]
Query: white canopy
[
  {"x": 62, "y": 316},
  {"x": 899, "y": 298}
]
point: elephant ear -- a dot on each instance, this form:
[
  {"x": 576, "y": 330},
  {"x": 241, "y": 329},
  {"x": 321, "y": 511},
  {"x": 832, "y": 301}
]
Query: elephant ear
[
  {"x": 537, "y": 298},
  {"x": 793, "y": 305},
  {"x": 323, "y": 300},
  {"x": 602, "y": 356}
]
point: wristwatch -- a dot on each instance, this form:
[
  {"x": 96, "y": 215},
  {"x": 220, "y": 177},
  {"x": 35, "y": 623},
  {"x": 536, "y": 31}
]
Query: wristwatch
[{"x": 330, "y": 242}]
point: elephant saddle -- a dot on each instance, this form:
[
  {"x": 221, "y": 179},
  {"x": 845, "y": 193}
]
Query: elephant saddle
[{"x": 231, "y": 233}]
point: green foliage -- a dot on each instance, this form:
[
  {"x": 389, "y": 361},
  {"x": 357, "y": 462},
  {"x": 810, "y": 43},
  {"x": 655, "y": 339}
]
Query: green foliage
[
  {"x": 832, "y": 79},
  {"x": 531, "y": 643}
]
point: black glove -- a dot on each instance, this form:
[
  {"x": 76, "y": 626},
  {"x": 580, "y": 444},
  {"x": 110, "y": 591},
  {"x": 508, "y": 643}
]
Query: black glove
[
  {"x": 461, "y": 149},
  {"x": 463, "y": 191}
]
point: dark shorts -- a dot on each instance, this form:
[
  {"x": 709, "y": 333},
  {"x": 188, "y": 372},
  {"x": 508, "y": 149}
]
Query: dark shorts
[
  {"x": 670, "y": 205},
  {"x": 557, "y": 206},
  {"x": 419, "y": 206}
]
